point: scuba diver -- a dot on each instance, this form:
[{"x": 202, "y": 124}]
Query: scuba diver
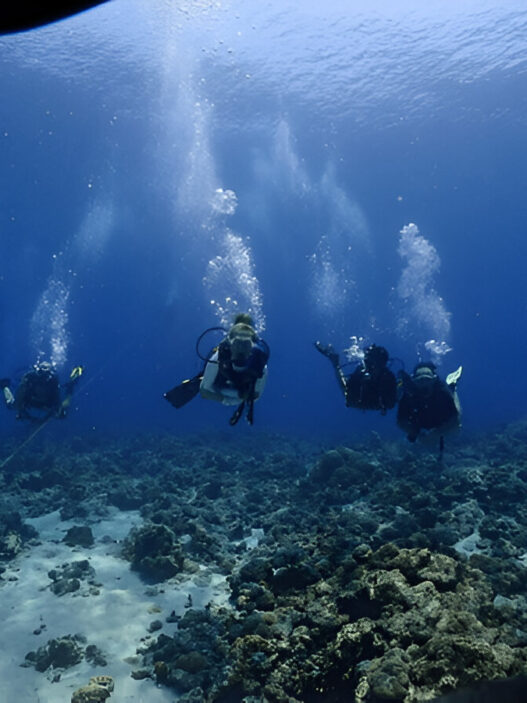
[
  {"x": 428, "y": 406},
  {"x": 40, "y": 390},
  {"x": 372, "y": 385},
  {"x": 235, "y": 371}
]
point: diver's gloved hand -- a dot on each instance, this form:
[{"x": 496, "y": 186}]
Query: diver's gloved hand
[
  {"x": 329, "y": 352},
  {"x": 8, "y": 396}
]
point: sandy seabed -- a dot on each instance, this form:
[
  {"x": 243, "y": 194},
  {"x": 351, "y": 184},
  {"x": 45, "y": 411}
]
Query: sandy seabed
[{"x": 264, "y": 568}]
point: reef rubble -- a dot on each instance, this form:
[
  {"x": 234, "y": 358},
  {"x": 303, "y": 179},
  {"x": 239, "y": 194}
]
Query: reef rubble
[{"x": 355, "y": 573}]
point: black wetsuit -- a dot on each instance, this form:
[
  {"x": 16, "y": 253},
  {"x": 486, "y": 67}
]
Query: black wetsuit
[
  {"x": 243, "y": 381},
  {"x": 39, "y": 390},
  {"x": 425, "y": 411},
  {"x": 371, "y": 391}
]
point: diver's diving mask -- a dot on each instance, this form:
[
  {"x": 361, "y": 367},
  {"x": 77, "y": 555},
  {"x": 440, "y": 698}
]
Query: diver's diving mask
[
  {"x": 241, "y": 348},
  {"x": 424, "y": 378}
]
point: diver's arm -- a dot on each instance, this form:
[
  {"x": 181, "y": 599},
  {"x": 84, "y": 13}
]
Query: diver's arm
[
  {"x": 457, "y": 404},
  {"x": 333, "y": 357},
  {"x": 207, "y": 388},
  {"x": 341, "y": 380},
  {"x": 226, "y": 397},
  {"x": 451, "y": 410},
  {"x": 63, "y": 408},
  {"x": 260, "y": 384},
  {"x": 209, "y": 394}
]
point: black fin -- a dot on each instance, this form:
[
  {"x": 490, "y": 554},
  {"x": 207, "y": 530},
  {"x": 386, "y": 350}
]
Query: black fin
[
  {"x": 183, "y": 394},
  {"x": 237, "y": 413}
]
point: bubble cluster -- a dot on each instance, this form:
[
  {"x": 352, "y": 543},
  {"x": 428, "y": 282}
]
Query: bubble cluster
[
  {"x": 423, "y": 310},
  {"x": 232, "y": 284},
  {"x": 49, "y": 334},
  {"x": 95, "y": 230},
  {"x": 437, "y": 349},
  {"x": 347, "y": 222},
  {"x": 199, "y": 179},
  {"x": 355, "y": 353},
  {"x": 328, "y": 289},
  {"x": 224, "y": 202}
]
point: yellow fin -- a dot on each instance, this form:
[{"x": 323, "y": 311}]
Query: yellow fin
[{"x": 454, "y": 377}]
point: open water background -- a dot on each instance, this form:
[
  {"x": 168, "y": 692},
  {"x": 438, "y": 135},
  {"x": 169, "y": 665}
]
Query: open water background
[{"x": 328, "y": 128}]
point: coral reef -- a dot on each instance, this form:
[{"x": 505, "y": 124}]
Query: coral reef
[
  {"x": 63, "y": 653},
  {"x": 67, "y": 577},
  {"x": 14, "y": 533},
  {"x": 59, "y": 653},
  {"x": 98, "y": 690},
  {"x": 154, "y": 552},
  {"x": 367, "y": 573},
  {"x": 80, "y": 535}
]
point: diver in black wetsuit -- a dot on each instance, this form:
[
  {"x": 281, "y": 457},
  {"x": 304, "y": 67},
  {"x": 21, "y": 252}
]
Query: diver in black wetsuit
[
  {"x": 39, "y": 395},
  {"x": 372, "y": 385},
  {"x": 428, "y": 405}
]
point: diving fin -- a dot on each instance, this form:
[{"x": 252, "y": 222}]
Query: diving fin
[
  {"x": 454, "y": 377},
  {"x": 76, "y": 373},
  {"x": 183, "y": 394},
  {"x": 237, "y": 413},
  {"x": 70, "y": 384}
]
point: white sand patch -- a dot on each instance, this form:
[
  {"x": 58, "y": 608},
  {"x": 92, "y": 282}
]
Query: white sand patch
[
  {"x": 254, "y": 539},
  {"x": 116, "y": 621},
  {"x": 468, "y": 545}
]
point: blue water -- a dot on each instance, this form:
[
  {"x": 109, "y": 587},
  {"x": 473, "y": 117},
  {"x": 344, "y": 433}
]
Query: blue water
[{"x": 328, "y": 127}]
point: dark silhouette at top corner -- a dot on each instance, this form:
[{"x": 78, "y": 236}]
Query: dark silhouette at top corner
[{"x": 23, "y": 16}]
